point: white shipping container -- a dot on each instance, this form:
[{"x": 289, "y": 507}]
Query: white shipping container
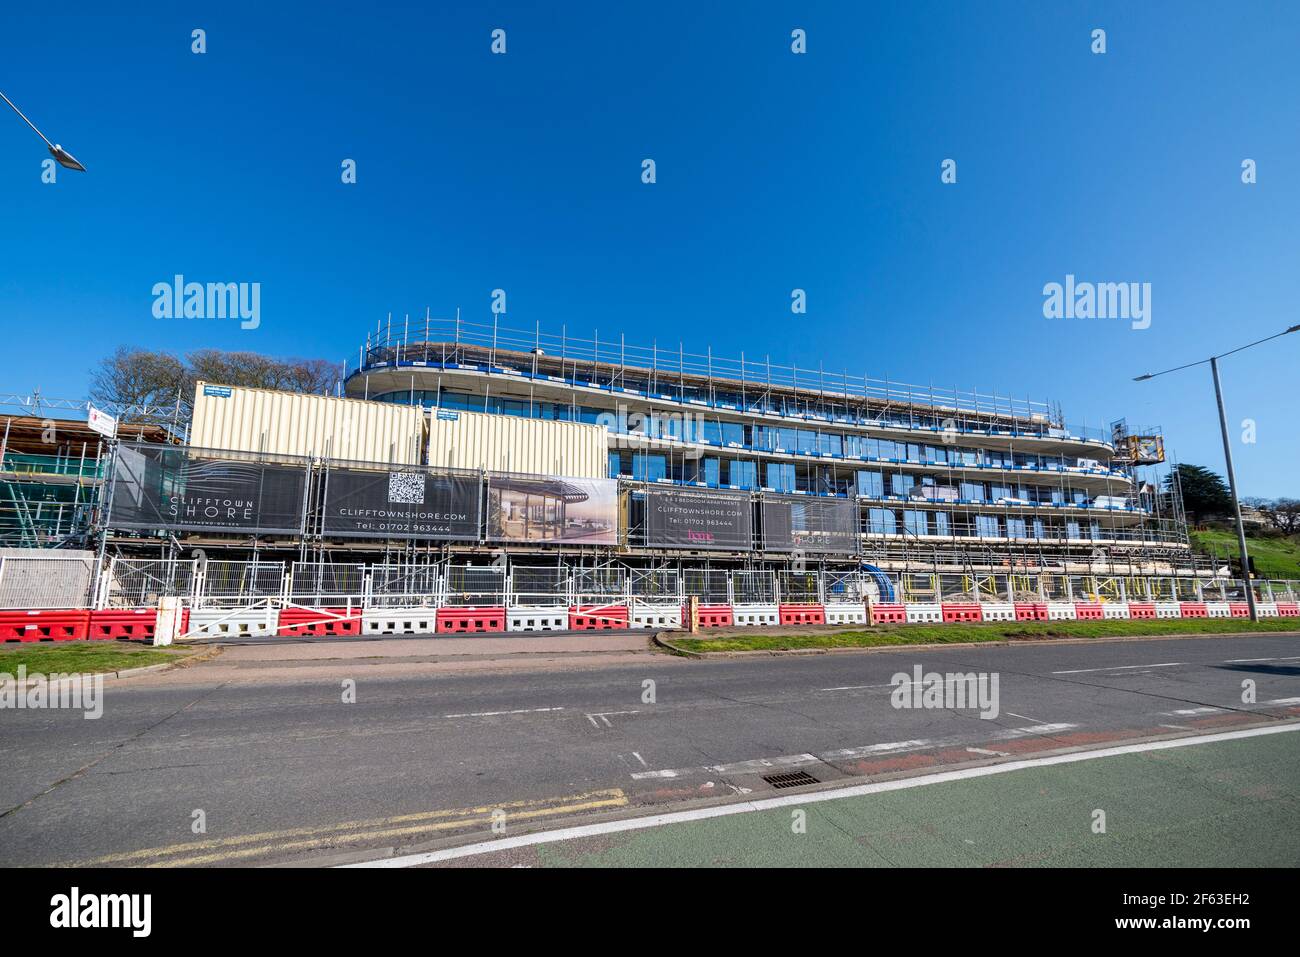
[
  {"x": 291, "y": 423},
  {"x": 506, "y": 443}
]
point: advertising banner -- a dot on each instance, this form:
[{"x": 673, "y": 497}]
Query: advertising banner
[
  {"x": 691, "y": 518},
  {"x": 810, "y": 525},
  {"x": 401, "y": 503},
  {"x": 534, "y": 508},
  {"x": 171, "y": 488}
]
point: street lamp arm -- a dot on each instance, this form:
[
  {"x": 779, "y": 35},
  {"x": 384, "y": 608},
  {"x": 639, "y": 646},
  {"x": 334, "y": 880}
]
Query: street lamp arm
[
  {"x": 1249, "y": 345},
  {"x": 26, "y": 120}
]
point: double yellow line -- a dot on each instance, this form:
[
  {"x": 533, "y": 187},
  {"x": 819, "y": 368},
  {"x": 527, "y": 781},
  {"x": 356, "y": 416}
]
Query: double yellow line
[{"x": 403, "y": 826}]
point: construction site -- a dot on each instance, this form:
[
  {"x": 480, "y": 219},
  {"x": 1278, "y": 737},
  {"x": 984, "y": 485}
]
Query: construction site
[{"x": 468, "y": 478}]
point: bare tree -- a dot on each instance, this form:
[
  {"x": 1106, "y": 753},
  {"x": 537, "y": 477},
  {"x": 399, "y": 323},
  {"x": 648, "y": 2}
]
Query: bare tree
[
  {"x": 137, "y": 377},
  {"x": 1283, "y": 514},
  {"x": 144, "y": 377}
]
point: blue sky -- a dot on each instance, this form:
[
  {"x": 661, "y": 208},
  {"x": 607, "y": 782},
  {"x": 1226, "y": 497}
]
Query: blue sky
[{"x": 775, "y": 171}]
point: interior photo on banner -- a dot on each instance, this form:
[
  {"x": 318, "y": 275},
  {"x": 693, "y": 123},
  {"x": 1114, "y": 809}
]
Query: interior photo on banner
[{"x": 530, "y": 508}]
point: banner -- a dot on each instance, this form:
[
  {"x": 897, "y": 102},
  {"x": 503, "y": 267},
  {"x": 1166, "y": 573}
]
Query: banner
[
  {"x": 171, "y": 488},
  {"x": 810, "y": 525},
  {"x": 691, "y": 518},
  {"x": 401, "y": 503},
  {"x": 530, "y": 508}
]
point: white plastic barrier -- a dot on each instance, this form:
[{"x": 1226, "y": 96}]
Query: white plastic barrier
[
  {"x": 1266, "y": 609},
  {"x": 756, "y": 615},
  {"x": 399, "y": 621},
  {"x": 846, "y": 614},
  {"x": 1061, "y": 611},
  {"x": 997, "y": 611},
  {"x": 656, "y": 616},
  {"x": 924, "y": 612},
  {"x": 1169, "y": 609},
  {"x": 1218, "y": 609},
  {"x": 1114, "y": 609},
  {"x": 537, "y": 618},
  {"x": 233, "y": 622}
]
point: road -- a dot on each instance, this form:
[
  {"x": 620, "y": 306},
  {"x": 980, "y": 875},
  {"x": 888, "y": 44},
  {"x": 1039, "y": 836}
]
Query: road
[{"x": 284, "y": 770}]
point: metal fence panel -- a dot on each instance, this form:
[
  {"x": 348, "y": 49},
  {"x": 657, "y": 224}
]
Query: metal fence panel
[
  {"x": 404, "y": 585},
  {"x": 475, "y": 585},
  {"x": 539, "y": 586},
  {"x": 607, "y": 583},
  {"x": 754, "y": 587},
  {"x": 141, "y": 582},
  {"x": 710, "y": 585},
  {"x": 324, "y": 583},
  {"x": 45, "y": 581},
  {"x": 661, "y": 585},
  {"x": 240, "y": 582}
]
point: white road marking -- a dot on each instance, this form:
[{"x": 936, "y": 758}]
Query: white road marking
[
  {"x": 637, "y": 755},
  {"x": 846, "y": 754},
  {"x": 1284, "y": 701},
  {"x": 1025, "y": 716},
  {"x": 604, "y": 717},
  {"x": 1188, "y": 712},
  {"x": 795, "y": 800},
  {"x": 493, "y": 714},
  {"x": 1000, "y": 754},
  {"x": 1084, "y": 671}
]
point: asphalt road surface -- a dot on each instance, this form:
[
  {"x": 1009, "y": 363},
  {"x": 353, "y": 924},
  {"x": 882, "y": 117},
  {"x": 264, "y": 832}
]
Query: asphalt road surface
[{"x": 286, "y": 771}]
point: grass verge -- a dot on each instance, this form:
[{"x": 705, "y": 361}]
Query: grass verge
[
  {"x": 1273, "y": 557},
  {"x": 82, "y": 657},
  {"x": 886, "y": 635}
]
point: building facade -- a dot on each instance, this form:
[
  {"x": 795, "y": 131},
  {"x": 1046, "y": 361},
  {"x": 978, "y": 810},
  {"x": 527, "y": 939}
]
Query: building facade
[{"x": 925, "y": 477}]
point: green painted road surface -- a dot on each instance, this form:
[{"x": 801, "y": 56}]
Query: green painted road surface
[{"x": 1230, "y": 803}]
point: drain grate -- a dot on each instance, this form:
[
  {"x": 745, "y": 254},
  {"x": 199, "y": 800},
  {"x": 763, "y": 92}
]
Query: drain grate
[{"x": 790, "y": 779}]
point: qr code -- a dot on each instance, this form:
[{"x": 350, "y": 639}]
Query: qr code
[{"x": 406, "y": 488}]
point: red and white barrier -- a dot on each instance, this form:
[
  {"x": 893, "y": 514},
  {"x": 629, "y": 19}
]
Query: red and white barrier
[{"x": 44, "y": 624}]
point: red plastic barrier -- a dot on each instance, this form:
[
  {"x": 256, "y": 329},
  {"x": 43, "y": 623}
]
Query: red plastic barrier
[
  {"x": 319, "y": 622},
  {"x": 44, "y": 624},
  {"x": 1031, "y": 611},
  {"x": 888, "y": 614},
  {"x": 598, "y": 618},
  {"x": 1141, "y": 609},
  {"x": 803, "y": 615},
  {"x": 1088, "y": 611},
  {"x": 1239, "y": 609},
  {"x": 1193, "y": 609},
  {"x": 465, "y": 620},
  {"x": 712, "y": 616},
  {"x": 1288, "y": 609},
  {"x": 962, "y": 611},
  {"x": 124, "y": 624}
]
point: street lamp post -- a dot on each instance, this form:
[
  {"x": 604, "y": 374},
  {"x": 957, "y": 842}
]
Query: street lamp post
[
  {"x": 1227, "y": 452},
  {"x": 64, "y": 158},
  {"x": 1232, "y": 487}
]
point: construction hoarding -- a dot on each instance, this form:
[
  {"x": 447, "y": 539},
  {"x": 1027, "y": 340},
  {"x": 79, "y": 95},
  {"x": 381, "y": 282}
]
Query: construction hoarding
[
  {"x": 417, "y": 502},
  {"x": 698, "y": 518},
  {"x": 793, "y": 523},
  {"x": 168, "y": 488}
]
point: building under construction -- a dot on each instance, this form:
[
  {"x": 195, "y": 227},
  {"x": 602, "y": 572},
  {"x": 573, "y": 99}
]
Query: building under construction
[{"x": 476, "y": 467}]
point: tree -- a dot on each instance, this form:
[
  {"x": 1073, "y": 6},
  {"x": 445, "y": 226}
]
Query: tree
[
  {"x": 143, "y": 377},
  {"x": 1283, "y": 514},
  {"x": 137, "y": 377},
  {"x": 1205, "y": 495}
]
